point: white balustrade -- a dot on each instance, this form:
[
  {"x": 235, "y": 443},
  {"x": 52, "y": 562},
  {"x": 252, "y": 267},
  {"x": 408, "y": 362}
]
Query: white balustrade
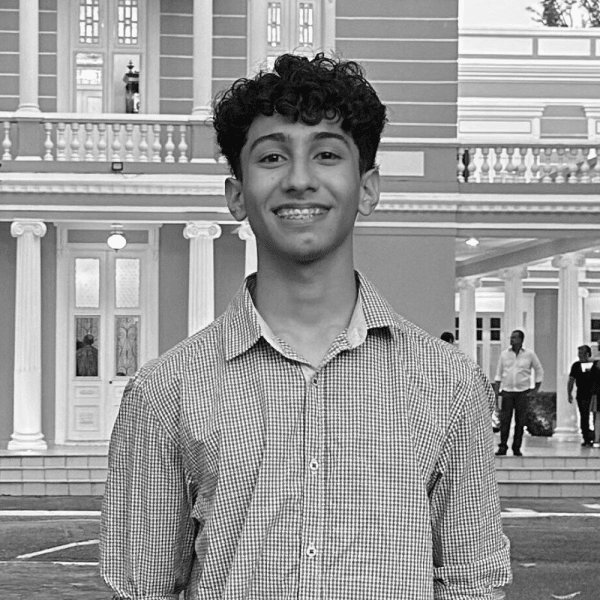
[
  {"x": 529, "y": 164},
  {"x": 104, "y": 138},
  {"x": 48, "y": 143},
  {"x": 6, "y": 142}
]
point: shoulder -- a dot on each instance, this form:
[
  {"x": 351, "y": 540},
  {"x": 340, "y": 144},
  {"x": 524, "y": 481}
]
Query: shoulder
[
  {"x": 433, "y": 355},
  {"x": 157, "y": 385}
]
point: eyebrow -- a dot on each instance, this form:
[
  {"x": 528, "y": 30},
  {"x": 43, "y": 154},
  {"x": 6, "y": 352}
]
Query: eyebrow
[{"x": 282, "y": 138}]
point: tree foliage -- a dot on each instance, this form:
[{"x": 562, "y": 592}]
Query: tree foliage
[{"x": 567, "y": 13}]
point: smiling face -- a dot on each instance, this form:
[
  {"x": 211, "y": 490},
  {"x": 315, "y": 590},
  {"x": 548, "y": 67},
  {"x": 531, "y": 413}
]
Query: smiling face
[{"x": 301, "y": 189}]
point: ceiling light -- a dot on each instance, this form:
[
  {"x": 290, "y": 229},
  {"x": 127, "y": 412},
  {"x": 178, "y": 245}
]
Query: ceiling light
[
  {"x": 473, "y": 242},
  {"x": 116, "y": 240}
]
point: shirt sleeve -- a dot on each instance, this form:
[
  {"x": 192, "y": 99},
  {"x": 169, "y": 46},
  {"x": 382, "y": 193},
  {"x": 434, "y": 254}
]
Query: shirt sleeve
[
  {"x": 537, "y": 368},
  {"x": 499, "y": 369},
  {"x": 471, "y": 555},
  {"x": 147, "y": 533},
  {"x": 573, "y": 372}
]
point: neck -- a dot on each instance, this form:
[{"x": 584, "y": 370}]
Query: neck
[{"x": 308, "y": 295}]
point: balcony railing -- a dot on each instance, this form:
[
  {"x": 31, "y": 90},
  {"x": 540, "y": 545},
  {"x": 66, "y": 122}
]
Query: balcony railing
[
  {"x": 103, "y": 138},
  {"x": 57, "y": 142},
  {"x": 528, "y": 163}
]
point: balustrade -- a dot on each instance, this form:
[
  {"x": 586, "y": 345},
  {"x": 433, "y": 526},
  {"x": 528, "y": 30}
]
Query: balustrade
[
  {"x": 529, "y": 163},
  {"x": 74, "y": 138}
]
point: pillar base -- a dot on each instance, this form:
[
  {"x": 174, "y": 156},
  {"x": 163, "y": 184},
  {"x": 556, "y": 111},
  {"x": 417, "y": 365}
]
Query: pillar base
[
  {"x": 566, "y": 434},
  {"x": 33, "y": 441}
]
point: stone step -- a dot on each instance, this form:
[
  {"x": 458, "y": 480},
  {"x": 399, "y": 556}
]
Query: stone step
[
  {"x": 549, "y": 489},
  {"x": 53, "y": 461},
  {"x": 549, "y": 462},
  {"x": 560, "y": 474}
]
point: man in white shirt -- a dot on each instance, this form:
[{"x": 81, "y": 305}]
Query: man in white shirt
[{"x": 513, "y": 383}]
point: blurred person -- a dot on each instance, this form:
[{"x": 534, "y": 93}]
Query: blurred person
[
  {"x": 513, "y": 384},
  {"x": 581, "y": 377},
  {"x": 447, "y": 337}
]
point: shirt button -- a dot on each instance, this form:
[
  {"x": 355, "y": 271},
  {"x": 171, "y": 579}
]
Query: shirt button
[
  {"x": 311, "y": 551},
  {"x": 315, "y": 380},
  {"x": 314, "y": 465}
]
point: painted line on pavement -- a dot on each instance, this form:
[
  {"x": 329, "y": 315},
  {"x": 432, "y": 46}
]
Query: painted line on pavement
[
  {"x": 49, "y": 513},
  {"x": 528, "y": 514},
  {"x": 49, "y": 562},
  {"x": 57, "y": 549}
]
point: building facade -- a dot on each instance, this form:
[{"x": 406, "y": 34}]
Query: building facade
[{"x": 105, "y": 112}]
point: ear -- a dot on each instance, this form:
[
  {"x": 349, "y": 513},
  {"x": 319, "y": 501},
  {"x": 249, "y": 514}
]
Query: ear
[
  {"x": 369, "y": 193},
  {"x": 234, "y": 196}
]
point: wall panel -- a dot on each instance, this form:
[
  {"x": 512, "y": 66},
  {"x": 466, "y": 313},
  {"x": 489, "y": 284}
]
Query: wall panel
[
  {"x": 9, "y": 55},
  {"x": 400, "y": 44},
  {"x": 8, "y": 277},
  {"x": 415, "y": 273},
  {"x": 174, "y": 261}
]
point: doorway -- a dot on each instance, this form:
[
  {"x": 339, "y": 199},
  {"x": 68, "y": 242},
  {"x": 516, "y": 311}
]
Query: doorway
[{"x": 107, "y": 328}]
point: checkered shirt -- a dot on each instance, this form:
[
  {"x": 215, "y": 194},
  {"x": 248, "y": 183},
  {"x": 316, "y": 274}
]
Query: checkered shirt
[{"x": 232, "y": 476}]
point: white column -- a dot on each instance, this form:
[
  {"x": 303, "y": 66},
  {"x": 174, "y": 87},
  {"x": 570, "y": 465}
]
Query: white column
[
  {"x": 513, "y": 301},
  {"x": 27, "y": 402},
  {"x": 467, "y": 326},
  {"x": 245, "y": 232},
  {"x": 203, "y": 55},
  {"x": 29, "y": 14},
  {"x": 567, "y": 339},
  {"x": 201, "y": 295},
  {"x": 584, "y": 319}
]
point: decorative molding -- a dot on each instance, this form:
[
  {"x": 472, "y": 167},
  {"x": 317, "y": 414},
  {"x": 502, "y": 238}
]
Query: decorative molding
[
  {"x": 570, "y": 260},
  {"x": 531, "y": 70},
  {"x": 37, "y": 228},
  {"x": 138, "y": 185},
  {"x": 513, "y": 273},
  {"x": 202, "y": 229},
  {"x": 487, "y": 203},
  {"x": 245, "y": 232},
  {"x": 467, "y": 283}
]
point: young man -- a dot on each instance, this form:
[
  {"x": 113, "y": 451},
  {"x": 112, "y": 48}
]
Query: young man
[
  {"x": 580, "y": 376},
  {"x": 310, "y": 443},
  {"x": 513, "y": 383}
]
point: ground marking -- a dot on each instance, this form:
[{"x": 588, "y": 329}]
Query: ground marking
[
  {"x": 49, "y": 513},
  {"x": 534, "y": 515},
  {"x": 56, "y": 549},
  {"x": 49, "y": 562},
  {"x": 597, "y": 506}
]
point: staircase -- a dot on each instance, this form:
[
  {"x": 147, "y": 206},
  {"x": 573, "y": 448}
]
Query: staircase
[
  {"x": 549, "y": 476},
  {"x": 82, "y": 472},
  {"x": 66, "y": 472}
]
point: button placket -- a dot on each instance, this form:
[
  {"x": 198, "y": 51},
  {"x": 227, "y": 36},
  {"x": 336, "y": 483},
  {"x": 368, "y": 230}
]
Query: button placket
[{"x": 313, "y": 491}]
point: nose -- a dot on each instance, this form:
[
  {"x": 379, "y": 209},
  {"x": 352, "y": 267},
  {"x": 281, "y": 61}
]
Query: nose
[{"x": 300, "y": 177}]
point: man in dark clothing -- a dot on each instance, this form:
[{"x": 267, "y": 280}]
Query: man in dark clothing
[{"x": 580, "y": 376}]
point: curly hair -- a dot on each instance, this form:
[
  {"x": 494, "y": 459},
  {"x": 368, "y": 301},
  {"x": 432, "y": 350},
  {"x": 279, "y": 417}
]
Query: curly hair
[{"x": 303, "y": 90}]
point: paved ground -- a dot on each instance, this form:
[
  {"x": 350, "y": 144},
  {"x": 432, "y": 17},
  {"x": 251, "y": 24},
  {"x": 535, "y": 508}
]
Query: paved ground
[{"x": 554, "y": 555}]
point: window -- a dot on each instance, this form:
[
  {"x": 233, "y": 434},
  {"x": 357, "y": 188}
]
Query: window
[
  {"x": 89, "y": 21},
  {"x": 127, "y": 23},
  {"x": 305, "y": 27},
  {"x": 495, "y": 329},
  {"x": 595, "y": 329}
]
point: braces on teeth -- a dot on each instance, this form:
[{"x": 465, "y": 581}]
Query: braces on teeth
[{"x": 299, "y": 213}]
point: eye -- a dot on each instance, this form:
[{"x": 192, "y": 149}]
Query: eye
[
  {"x": 271, "y": 158},
  {"x": 328, "y": 155}
]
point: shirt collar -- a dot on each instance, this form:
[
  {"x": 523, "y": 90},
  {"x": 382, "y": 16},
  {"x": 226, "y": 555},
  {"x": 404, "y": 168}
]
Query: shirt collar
[{"x": 243, "y": 327}]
